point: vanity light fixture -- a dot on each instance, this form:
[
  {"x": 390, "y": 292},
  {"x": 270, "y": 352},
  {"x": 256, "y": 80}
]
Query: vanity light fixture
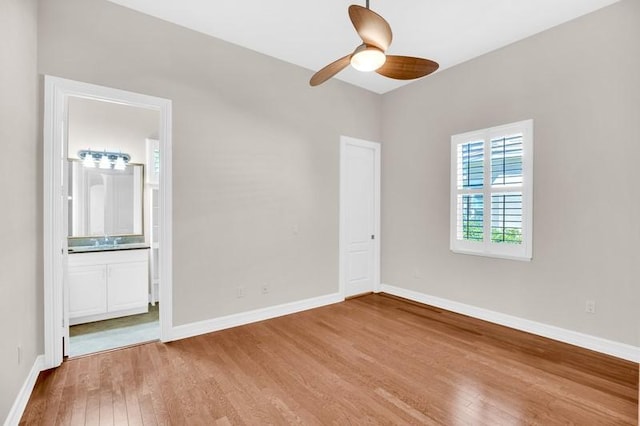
[{"x": 104, "y": 159}]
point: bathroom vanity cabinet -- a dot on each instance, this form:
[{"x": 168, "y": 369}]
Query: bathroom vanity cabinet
[{"x": 107, "y": 284}]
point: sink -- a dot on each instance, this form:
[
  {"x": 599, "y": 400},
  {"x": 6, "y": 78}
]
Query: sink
[{"x": 108, "y": 247}]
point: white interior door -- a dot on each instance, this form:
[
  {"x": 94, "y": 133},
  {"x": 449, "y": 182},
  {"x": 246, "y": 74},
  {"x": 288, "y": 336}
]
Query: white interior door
[{"x": 360, "y": 189}]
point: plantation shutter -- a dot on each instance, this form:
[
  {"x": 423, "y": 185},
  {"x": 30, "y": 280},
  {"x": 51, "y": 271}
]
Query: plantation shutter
[
  {"x": 491, "y": 191},
  {"x": 506, "y": 172},
  {"x": 470, "y": 174}
]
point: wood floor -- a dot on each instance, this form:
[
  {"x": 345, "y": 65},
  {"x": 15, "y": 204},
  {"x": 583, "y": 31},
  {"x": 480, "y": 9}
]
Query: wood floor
[{"x": 369, "y": 360}]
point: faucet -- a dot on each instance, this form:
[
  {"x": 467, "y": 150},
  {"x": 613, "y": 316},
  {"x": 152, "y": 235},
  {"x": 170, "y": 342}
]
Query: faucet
[
  {"x": 106, "y": 240},
  {"x": 116, "y": 240}
]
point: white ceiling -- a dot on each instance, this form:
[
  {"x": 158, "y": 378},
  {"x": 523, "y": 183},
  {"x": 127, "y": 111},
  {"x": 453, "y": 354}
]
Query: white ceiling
[{"x": 314, "y": 33}]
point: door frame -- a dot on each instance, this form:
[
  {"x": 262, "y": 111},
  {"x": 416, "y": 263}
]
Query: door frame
[
  {"x": 57, "y": 92},
  {"x": 346, "y": 141}
]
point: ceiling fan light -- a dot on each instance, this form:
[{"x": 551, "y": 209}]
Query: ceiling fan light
[{"x": 368, "y": 58}]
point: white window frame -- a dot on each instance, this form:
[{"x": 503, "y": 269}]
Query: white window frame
[{"x": 486, "y": 247}]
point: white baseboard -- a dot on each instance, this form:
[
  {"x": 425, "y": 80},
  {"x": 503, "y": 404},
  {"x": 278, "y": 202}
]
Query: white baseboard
[
  {"x": 598, "y": 344},
  {"x": 20, "y": 403},
  {"x": 229, "y": 321}
]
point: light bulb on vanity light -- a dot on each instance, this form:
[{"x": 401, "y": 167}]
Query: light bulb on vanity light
[
  {"x": 104, "y": 162},
  {"x": 88, "y": 160},
  {"x": 119, "y": 164}
]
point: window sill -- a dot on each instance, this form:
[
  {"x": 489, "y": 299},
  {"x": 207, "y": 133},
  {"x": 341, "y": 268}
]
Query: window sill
[{"x": 493, "y": 255}]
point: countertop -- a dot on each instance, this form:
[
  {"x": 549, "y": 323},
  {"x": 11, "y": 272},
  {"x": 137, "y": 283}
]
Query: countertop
[{"x": 117, "y": 247}]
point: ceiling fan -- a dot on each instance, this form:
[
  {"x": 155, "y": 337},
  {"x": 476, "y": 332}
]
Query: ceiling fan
[{"x": 376, "y": 35}]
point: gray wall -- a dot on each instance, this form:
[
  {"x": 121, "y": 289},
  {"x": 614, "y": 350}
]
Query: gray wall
[
  {"x": 21, "y": 189},
  {"x": 579, "y": 82},
  {"x": 256, "y": 154},
  {"x": 255, "y": 151},
  {"x": 112, "y": 127}
]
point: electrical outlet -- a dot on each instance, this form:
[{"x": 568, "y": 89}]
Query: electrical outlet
[
  {"x": 19, "y": 354},
  {"x": 590, "y": 307},
  {"x": 265, "y": 288},
  {"x": 241, "y": 292}
]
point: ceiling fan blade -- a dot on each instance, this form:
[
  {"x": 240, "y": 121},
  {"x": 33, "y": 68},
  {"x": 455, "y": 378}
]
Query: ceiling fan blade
[
  {"x": 330, "y": 70},
  {"x": 371, "y": 27},
  {"x": 406, "y": 67}
]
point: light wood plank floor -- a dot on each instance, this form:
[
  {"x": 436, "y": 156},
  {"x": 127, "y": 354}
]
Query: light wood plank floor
[{"x": 374, "y": 360}]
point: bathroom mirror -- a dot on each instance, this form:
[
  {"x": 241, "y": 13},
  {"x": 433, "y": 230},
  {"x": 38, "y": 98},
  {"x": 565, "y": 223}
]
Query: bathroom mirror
[{"x": 105, "y": 202}]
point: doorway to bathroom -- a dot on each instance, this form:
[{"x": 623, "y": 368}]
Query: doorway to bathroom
[
  {"x": 111, "y": 279},
  {"x": 107, "y": 219}
]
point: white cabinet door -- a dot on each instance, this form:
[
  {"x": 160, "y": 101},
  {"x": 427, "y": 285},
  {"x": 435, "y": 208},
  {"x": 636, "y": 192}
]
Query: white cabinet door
[
  {"x": 128, "y": 285},
  {"x": 87, "y": 290}
]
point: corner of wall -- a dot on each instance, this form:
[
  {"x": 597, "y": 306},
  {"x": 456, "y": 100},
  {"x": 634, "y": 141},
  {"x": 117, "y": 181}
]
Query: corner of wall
[{"x": 17, "y": 409}]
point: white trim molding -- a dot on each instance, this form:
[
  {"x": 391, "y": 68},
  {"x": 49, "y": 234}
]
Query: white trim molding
[
  {"x": 598, "y": 344},
  {"x": 243, "y": 318},
  {"x": 20, "y": 403},
  {"x": 56, "y": 95}
]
